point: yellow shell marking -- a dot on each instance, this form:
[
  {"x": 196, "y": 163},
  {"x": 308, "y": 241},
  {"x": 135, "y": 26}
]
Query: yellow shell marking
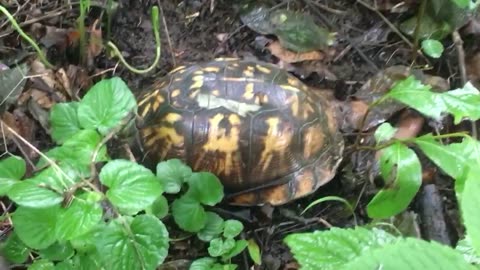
[
  {"x": 168, "y": 135},
  {"x": 146, "y": 109},
  {"x": 218, "y": 140},
  {"x": 197, "y": 82},
  {"x": 177, "y": 69},
  {"x": 312, "y": 140},
  {"x": 175, "y": 92},
  {"x": 263, "y": 69},
  {"x": 294, "y": 104},
  {"x": 249, "y": 91},
  {"x": 248, "y": 72},
  {"x": 211, "y": 69},
  {"x": 148, "y": 97},
  {"x": 293, "y": 82},
  {"x": 216, "y": 93},
  {"x": 194, "y": 93},
  {"x": 289, "y": 88},
  {"x": 276, "y": 141}
]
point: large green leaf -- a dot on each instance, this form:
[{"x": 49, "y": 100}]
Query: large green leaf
[
  {"x": 42, "y": 264},
  {"x": 31, "y": 194},
  {"x": 462, "y": 103},
  {"x": 57, "y": 252},
  {"x": 12, "y": 170},
  {"x": 213, "y": 227},
  {"x": 79, "y": 218},
  {"x": 106, "y": 104},
  {"x": 173, "y": 173},
  {"x": 138, "y": 243},
  {"x": 189, "y": 214},
  {"x": 470, "y": 201},
  {"x": 402, "y": 173},
  {"x": 64, "y": 121},
  {"x": 206, "y": 188},
  {"x": 411, "y": 254},
  {"x": 132, "y": 187},
  {"x": 335, "y": 247},
  {"x": 36, "y": 226}
]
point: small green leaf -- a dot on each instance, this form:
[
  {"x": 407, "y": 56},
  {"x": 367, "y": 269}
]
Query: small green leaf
[
  {"x": 132, "y": 187},
  {"x": 384, "y": 132},
  {"x": 64, "y": 121},
  {"x": 105, "y": 105},
  {"x": 12, "y": 169},
  {"x": 464, "y": 246},
  {"x": 143, "y": 246},
  {"x": 36, "y": 226},
  {"x": 42, "y": 264},
  {"x": 240, "y": 245},
  {"x": 31, "y": 194},
  {"x": 409, "y": 253},
  {"x": 79, "y": 218},
  {"x": 462, "y": 3},
  {"x": 254, "y": 252},
  {"x": 402, "y": 173},
  {"x": 189, "y": 214},
  {"x": 173, "y": 173},
  {"x": 206, "y": 188},
  {"x": 462, "y": 103},
  {"x": 57, "y": 252},
  {"x": 213, "y": 228},
  {"x": 329, "y": 250},
  {"x": 218, "y": 247},
  {"x": 14, "y": 250},
  {"x": 160, "y": 207},
  {"x": 202, "y": 264},
  {"x": 432, "y": 47},
  {"x": 232, "y": 228},
  {"x": 469, "y": 206}
]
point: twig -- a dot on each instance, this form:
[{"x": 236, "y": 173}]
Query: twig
[
  {"x": 463, "y": 72},
  {"x": 167, "y": 33}
]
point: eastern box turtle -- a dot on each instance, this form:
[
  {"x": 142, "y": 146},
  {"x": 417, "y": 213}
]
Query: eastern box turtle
[{"x": 266, "y": 136}]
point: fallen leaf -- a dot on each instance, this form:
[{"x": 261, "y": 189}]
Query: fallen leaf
[
  {"x": 95, "y": 44},
  {"x": 289, "y": 56}
]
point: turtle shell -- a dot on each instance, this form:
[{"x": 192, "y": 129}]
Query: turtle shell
[{"x": 266, "y": 135}]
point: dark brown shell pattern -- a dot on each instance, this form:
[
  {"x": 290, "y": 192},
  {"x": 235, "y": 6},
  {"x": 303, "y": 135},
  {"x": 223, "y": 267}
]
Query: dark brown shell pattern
[{"x": 266, "y": 136}]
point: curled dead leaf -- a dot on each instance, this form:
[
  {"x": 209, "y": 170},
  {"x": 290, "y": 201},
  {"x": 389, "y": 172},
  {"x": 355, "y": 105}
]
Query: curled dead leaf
[{"x": 289, "y": 56}]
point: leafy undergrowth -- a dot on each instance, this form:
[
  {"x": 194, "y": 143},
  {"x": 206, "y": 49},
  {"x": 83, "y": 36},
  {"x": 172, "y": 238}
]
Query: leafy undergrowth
[{"x": 69, "y": 221}]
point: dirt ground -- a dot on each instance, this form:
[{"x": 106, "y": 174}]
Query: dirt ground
[{"x": 192, "y": 32}]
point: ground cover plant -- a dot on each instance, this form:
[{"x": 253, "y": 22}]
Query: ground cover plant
[{"x": 71, "y": 201}]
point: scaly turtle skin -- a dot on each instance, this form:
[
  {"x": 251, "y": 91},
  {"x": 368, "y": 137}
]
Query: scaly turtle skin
[{"x": 259, "y": 129}]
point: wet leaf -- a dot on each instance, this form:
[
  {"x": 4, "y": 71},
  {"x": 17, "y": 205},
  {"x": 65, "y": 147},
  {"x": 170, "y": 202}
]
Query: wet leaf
[
  {"x": 160, "y": 207},
  {"x": 232, "y": 228},
  {"x": 64, "y": 121},
  {"x": 469, "y": 206},
  {"x": 240, "y": 245},
  {"x": 401, "y": 170},
  {"x": 254, "y": 252},
  {"x": 12, "y": 169},
  {"x": 173, "y": 173},
  {"x": 29, "y": 193},
  {"x": 132, "y": 187},
  {"x": 213, "y": 227},
  {"x": 464, "y": 246},
  {"x": 42, "y": 264},
  {"x": 206, "y": 188},
  {"x": 35, "y": 226},
  {"x": 189, "y": 214},
  {"x": 333, "y": 248},
  {"x": 384, "y": 132},
  {"x": 144, "y": 245},
  {"x": 57, "y": 252},
  {"x": 106, "y": 104}
]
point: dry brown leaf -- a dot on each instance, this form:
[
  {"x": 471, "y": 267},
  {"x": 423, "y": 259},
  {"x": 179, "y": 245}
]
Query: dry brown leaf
[
  {"x": 95, "y": 44},
  {"x": 293, "y": 57}
]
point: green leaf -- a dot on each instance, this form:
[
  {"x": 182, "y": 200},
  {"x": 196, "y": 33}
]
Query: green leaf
[
  {"x": 189, "y": 214},
  {"x": 36, "y": 226},
  {"x": 106, "y": 104},
  {"x": 218, "y": 247},
  {"x": 202, "y": 264},
  {"x": 79, "y": 218},
  {"x": 57, "y": 252},
  {"x": 469, "y": 206},
  {"x": 240, "y": 245},
  {"x": 402, "y": 173},
  {"x": 384, "y": 132},
  {"x": 160, "y": 207},
  {"x": 254, "y": 252},
  {"x": 206, "y": 188},
  {"x": 144, "y": 247},
  {"x": 14, "y": 250},
  {"x": 42, "y": 264},
  {"x": 64, "y": 121},
  {"x": 464, "y": 246},
  {"x": 12, "y": 169},
  {"x": 462, "y": 3},
  {"x": 232, "y": 228},
  {"x": 432, "y": 47},
  {"x": 461, "y": 103},
  {"x": 173, "y": 173},
  {"x": 31, "y": 194},
  {"x": 409, "y": 253},
  {"x": 213, "y": 227},
  {"x": 132, "y": 187},
  {"x": 333, "y": 248}
]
